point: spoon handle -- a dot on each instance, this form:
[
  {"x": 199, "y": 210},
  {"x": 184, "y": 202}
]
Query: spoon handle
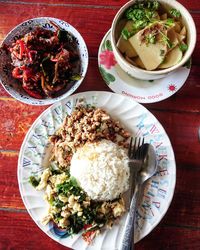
[{"x": 128, "y": 238}]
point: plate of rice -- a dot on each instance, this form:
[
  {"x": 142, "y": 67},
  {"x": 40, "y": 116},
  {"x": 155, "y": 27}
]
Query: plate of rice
[{"x": 73, "y": 170}]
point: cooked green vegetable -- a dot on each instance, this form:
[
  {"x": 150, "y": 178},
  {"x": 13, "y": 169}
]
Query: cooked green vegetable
[
  {"x": 76, "y": 224},
  {"x": 91, "y": 215},
  {"x": 34, "y": 181},
  {"x": 70, "y": 186},
  {"x": 57, "y": 203}
]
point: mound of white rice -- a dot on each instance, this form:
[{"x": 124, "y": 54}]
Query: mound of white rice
[{"x": 101, "y": 169}]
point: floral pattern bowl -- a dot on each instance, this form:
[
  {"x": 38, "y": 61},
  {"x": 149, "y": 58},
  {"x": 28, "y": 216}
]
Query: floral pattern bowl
[{"x": 12, "y": 86}]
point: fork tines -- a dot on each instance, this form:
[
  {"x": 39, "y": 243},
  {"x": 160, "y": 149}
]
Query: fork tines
[{"x": 135, "y": 149}]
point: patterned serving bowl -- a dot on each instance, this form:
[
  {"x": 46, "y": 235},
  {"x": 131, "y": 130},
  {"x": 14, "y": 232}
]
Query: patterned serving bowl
[{"x": 12, "y": 86}]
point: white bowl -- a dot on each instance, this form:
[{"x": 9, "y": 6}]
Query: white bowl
[
  {"x": 156, "y": 74},
  {"x": 12, "y": 86}
]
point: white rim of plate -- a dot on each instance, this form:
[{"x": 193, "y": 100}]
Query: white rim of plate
[
  {"x": 105, "y": 95},
  {"x": 141, "y": 91}
]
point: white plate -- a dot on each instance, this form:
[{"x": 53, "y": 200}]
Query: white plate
[
  {"x": 158, "y": 192},
  {"x": 139, "y": 90}
]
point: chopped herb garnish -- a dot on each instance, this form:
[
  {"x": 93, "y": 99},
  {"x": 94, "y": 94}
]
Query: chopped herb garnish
[
  {"x": 138, "y": 25},
  {"x": 150, "y": 14},
  {"x": 150, "y": 38},
  {"x": 169, "y": 22},
  {"x": 55, "y": 171},
  {"x": 126, "y": 34},
  {"x": 183, "y": 47},
  {"x": 135, "y": 14},
  {"x": 142, "y": 14},
  {"x": 175, "y": 13},
  {"x": 145, "y": 15},
  {"x": 153, "y": 5},
  {"x": 166, "y": 40},
  {"x": 34, "y": 181}
]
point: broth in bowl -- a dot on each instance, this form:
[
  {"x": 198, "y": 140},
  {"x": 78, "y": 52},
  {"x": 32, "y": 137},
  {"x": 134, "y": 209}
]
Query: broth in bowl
[{"x": 152, "y": 37}]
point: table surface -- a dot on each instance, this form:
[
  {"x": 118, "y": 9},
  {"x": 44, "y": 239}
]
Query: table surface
[{"x": 179, "y": 115}]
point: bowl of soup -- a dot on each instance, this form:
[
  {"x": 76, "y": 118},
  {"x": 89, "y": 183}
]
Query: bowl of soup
[{"x": 152, "y": 39}]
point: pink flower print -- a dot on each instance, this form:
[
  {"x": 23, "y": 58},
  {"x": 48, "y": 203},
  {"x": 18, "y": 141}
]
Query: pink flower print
[{"x": 107, "y": 59}]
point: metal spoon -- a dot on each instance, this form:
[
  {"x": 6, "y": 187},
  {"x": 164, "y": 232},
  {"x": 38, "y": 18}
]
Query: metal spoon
[{"x": 148, "y": 169}]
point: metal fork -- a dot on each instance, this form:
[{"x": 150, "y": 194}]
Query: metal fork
[
  {"x": 135, "y": 150},
  {"x": 137, "y": 153},
  {"x": 136, "y": 157}
]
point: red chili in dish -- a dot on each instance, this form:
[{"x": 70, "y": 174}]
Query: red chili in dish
[{"x": 45, "y": 62}]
